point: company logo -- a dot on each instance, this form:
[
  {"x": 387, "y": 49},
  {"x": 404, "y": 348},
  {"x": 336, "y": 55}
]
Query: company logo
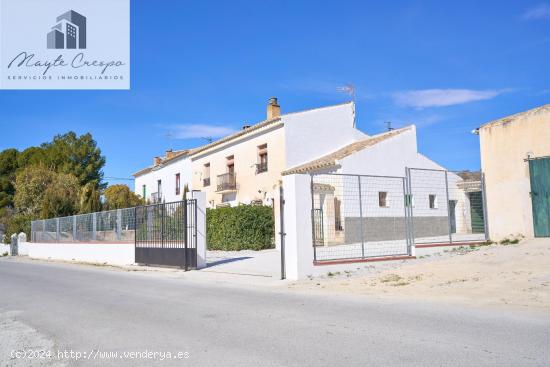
[
  {"x": 69, "y": 32},
  {"x": 66, "y": 44}
]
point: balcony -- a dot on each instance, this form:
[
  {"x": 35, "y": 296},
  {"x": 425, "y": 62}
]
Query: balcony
[
  {"x": 206, "y": 182},
  {"x": 261, "y": 167},
  {"x": 226, "y": 183}
]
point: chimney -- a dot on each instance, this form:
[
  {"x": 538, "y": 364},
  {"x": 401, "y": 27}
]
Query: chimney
[
  {"x": 156, "y": 161},
  {"x": 273, "y": 109},
  {"x": 170, "y": 153}
]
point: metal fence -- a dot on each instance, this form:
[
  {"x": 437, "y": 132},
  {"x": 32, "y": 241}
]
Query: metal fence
[
  {"x": 108, "y": 226},
  {"x": 361, "y": 216}
]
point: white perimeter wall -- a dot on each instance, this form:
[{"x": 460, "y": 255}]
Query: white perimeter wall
[
  {"x": 168, "y": 176},
  {"x": 110, "y": 253}
]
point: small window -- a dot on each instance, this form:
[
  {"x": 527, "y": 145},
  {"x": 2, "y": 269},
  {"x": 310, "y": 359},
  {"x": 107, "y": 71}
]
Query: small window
[
  {"x": 261, "y": 166},
  {"x": 144, "y": 191},
  {"x": 432, "y": 201},
  {"x": 230, "y": 164},
  {"x": 383, "y": 199},
  {"x": 206, "y": 175},
  {"x": 177, "y": 183}
]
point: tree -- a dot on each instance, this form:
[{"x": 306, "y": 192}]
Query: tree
[
  {"x": 61, "y": 197},
  {"x": 8, "y": 166},
  {"x": 76, "y": 155},
  {"x": 30, "y": 185},
  {"x": 90, "y": 198},
  {"x": 120, "y": 196}
]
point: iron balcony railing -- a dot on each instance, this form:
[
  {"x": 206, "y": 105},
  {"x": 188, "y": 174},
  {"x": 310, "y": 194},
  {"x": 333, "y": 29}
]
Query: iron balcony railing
[
  {"x": 261, "y": 167},
  {"x": 226, "y": 182},
  {"x": 206, "y": 182}
]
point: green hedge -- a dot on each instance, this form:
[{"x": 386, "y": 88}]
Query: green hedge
[{"x": 243, "y": 227}]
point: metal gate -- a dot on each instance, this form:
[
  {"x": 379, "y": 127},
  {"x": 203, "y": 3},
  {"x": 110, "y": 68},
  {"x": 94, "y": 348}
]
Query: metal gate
[
  {"x": 166, "y": 234},
  {"x": 539, "y": 172}
]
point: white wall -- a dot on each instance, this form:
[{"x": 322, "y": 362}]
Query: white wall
[
  {"x": 116, "y": 254},
  {"x": 166, "y": 173},
  {"x": 201, "y": 228},
  {"x": 313, "y": 133}
]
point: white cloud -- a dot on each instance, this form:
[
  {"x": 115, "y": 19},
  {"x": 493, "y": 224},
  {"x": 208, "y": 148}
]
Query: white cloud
[
  {"x": 442, "y": 97},
  {"x": 193, "y": 131},
  {"x": 541, "y": 11}
]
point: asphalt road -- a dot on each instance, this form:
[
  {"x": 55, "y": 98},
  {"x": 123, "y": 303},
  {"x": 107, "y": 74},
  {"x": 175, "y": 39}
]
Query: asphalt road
[{"x": 85, "y": 310}]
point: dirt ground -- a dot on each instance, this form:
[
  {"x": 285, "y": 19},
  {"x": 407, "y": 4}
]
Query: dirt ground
[{"x": 510, "y": 276}]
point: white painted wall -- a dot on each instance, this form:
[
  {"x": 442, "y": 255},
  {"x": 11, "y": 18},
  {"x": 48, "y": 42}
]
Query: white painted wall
[
  {"x": 201, "y": 228},
  {"x": 314, "y": 133},
  {"x": 116, "y": 254},
  {"x": 166, "y": 173}
]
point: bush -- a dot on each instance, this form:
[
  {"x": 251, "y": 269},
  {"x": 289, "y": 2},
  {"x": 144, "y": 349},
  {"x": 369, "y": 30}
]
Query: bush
[{"x": 244, "y": 227}]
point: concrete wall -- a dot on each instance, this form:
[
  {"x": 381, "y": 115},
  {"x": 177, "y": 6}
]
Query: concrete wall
[
  {"x": 116, "y": 254},
  {"x": 250, "y": 185},
  {"x": 504, "y": 147},
  {"x": 166, "y": 173}
]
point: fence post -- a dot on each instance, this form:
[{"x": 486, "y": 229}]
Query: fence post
[
  {"x": 185, "y": 219},
  {"x": 448, "y": 208},
  {"x": 313, "y": 219},
  {"x": 407, "y": 197},
  {"x": 118, "y": 224},
  {"x": 94, "y": 226},
  {"x": 57, "y": 230},
  {"x": 361, "y": 218},
  {"x": 411, "y": 210}
]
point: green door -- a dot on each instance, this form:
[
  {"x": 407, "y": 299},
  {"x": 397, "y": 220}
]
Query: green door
[
  {"x": 539, "y": 170},
  {"x": 476, "y": 212}
]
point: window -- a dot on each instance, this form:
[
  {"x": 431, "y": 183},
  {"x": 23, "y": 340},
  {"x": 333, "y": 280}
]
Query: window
[
  {"x": 230, "y": 164},
  {"x": 206, "y": 175},
  {"x": 261, "y": 166},
  {"x": 383, "y": 199},
  {"x": 432, "y": 201},
  {"x": 144, "y": 191},
  {"x": 338, "y": 215},
  {"x": 159, "y": 188},
  {"x": 177, "y": 183}
]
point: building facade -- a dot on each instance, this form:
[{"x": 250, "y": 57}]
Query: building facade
[
  {"x": 515, "y": 159},
  {"x": 245, "y": 167}
]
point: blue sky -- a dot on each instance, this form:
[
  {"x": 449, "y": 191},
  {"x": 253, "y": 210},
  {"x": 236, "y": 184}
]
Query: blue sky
[{"x": 203, "y": 69}]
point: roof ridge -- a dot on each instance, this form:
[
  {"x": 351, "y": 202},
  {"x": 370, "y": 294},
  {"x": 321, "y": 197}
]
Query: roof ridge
[
  {"x": 517, "y": 115},
  {"x": 329, "y": 159}
]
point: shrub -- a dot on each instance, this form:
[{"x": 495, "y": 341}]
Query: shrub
[{"x": 244, "y": 227}]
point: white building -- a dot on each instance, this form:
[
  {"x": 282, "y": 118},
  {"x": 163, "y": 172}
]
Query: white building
[{"x": 165, "y": 180}]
